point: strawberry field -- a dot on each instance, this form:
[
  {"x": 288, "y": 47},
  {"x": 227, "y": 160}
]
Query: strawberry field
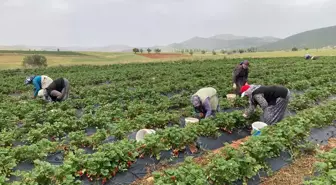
[{"x": 89, "y": 138}]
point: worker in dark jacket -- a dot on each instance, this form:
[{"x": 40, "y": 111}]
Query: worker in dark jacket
[
  {"x": 240, "y": 76},
  {"x": 58, "y": 90},
  {"x": 273, "y": 100}
]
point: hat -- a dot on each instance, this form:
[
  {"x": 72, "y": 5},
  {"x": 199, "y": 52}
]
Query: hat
[
  {"x": 29, "y": 80},
  {"x": 246, "y": 62},
  {"x": 243, "y": 89}
]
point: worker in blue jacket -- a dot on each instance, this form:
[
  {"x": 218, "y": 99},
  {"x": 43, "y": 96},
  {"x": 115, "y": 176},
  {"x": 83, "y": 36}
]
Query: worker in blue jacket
[{"x": 39, "y": 82}]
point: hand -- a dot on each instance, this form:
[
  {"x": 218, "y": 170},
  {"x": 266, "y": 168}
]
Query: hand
[
  {"x": 201, "y": 115},
  {"x": 234, "y": 86},
  {"x": 33, "y": 97},
  {"x": 244, "y": 115}
]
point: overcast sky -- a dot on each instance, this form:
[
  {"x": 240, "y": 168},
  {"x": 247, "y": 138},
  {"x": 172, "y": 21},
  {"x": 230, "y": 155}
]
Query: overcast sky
[{"x": 154, "y": 22}]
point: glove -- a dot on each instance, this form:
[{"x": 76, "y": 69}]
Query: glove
[{"x": 234, "y": 86}]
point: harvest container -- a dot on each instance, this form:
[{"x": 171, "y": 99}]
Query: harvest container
[
  {"x": 256, "y": 127},
  {"x": 141, "y": 134}
]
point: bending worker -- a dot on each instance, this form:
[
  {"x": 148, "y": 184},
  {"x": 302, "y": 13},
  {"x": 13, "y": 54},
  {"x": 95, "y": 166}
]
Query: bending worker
[
  {"x": 58, "y": 90},
  {"x": 307, "y": 57},
  {"x": 273, "y": 100},
  {"x": 205, "y": 102},
  {"x": 39, "y": 82},
  {"x": 240, "y": 76}
]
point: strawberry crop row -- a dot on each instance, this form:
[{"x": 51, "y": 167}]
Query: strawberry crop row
[
  {"x": 243, "y": 163},
  {"x": 119, "y": 99}
]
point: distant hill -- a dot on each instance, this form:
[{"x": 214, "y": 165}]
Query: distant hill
[
  {"x": 224, "y": 41},
  {"x": 316, "y": 38}
]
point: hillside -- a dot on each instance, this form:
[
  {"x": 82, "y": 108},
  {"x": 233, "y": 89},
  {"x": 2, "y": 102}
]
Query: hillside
[
  {"x": 225, "y": 41},
  {"x": 316, "y": 38}
]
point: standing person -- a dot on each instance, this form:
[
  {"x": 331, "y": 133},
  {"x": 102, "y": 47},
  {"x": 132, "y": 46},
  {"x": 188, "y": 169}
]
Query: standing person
[
  {"x": 205, "y": 102},
  {"x": 240, "y": 76},
  {"x": 58, "y": 90},
  {"x": 273, "y": 100},
  {"x": 39, "y": 82}
]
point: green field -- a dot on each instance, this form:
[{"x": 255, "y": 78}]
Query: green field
[{"x": 12, "y": 59}]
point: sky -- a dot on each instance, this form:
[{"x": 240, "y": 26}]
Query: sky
[{"x": 141, "y": 23}]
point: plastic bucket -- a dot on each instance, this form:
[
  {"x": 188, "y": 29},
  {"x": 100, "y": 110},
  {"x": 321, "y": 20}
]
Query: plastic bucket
[
  {"x": 141, "y": 134},
  {"x": 231, "y": 96},
  {"x": 191, "y": 120},
  {"x": 40, "y": 93},
  {"x": 256, "y": 127}
]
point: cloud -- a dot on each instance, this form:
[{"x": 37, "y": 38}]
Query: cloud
[{"x": 154, "y": 22}]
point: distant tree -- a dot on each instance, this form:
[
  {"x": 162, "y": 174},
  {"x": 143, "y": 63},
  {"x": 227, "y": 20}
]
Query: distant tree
[
  {"x": 135, "y": 50},
  {"x": 306, "y": 49},
  {"x": 35, "y": 61},
  {"x": 295, "y": 49},
  {"x": 234, "y": 51},
  {"x": 58, "y": 50},
  {"x": 186, "y": 50},
  {"x": 203, "y": 51},
  {"x": 29, "y": 49},
  {"x": 157, "y": 50},
  {"x": 191, "y": 52},
  {"x": 252, "y": 49},
  {"x": 213, "y": 52},
  {"x": 182, "y": 51},
  {"x": 222, "y": 51},
  {"x": 149, "y": 50},
  {"x": 141, "y": 50},
  {"x": 241, "y": 51}
]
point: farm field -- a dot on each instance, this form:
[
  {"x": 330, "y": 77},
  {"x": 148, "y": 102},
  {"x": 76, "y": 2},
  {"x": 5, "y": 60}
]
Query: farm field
[
  {"x": 11, "y": 59},
  {"x": 88, "y": 139}
]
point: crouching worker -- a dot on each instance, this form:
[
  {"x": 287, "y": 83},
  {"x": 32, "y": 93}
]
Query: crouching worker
[
  {"x": 39, "y": 82},
  {"x": 58, "y": 90},
  {"x": 273, "y": 100},
  {"x": 307, "y": 57},
  {"x": 205, "y": 102}
]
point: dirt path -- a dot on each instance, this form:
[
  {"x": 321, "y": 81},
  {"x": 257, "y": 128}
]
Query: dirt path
[{"x": 295, "y": 173}]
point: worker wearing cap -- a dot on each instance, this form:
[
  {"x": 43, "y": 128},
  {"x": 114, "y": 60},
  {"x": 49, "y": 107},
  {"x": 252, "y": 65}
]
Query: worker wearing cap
[
  {"x": 205, "y": 102},
  {"x": 39, "y": 82},
  {"x": 273, "y": 100},
  {"x": 240, "y": 76}
]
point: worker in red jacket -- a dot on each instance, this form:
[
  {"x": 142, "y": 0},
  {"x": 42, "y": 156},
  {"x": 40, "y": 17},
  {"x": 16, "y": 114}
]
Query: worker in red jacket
[{"x": 273, "y": 100}]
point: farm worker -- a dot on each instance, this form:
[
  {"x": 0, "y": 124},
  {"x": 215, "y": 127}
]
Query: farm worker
[
  {"x": 205, "y": 102},
  {"x": 39, "y": 82},
  {"x": 240, "y": 75},
  {"x": 273, "y": 100},
  {"x": 307, "y": 56},
  {"x": 58, "y": 90}
]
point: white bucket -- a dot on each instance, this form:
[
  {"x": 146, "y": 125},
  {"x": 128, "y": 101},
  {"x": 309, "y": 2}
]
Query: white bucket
[
  {"x": 191, "y": 120},
  {"x": 231, "y": 96},
  {"x": 40, "y": 93},
  {"x": 257, "y": 126},
  {"x": 141, "y": 134}
]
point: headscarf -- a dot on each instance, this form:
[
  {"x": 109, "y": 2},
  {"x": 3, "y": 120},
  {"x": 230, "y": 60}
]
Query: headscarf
[
  {"x": 196, "y": 101},
  {"x": 29, "y": 79},
  {"x": 248, "y": 90}
]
